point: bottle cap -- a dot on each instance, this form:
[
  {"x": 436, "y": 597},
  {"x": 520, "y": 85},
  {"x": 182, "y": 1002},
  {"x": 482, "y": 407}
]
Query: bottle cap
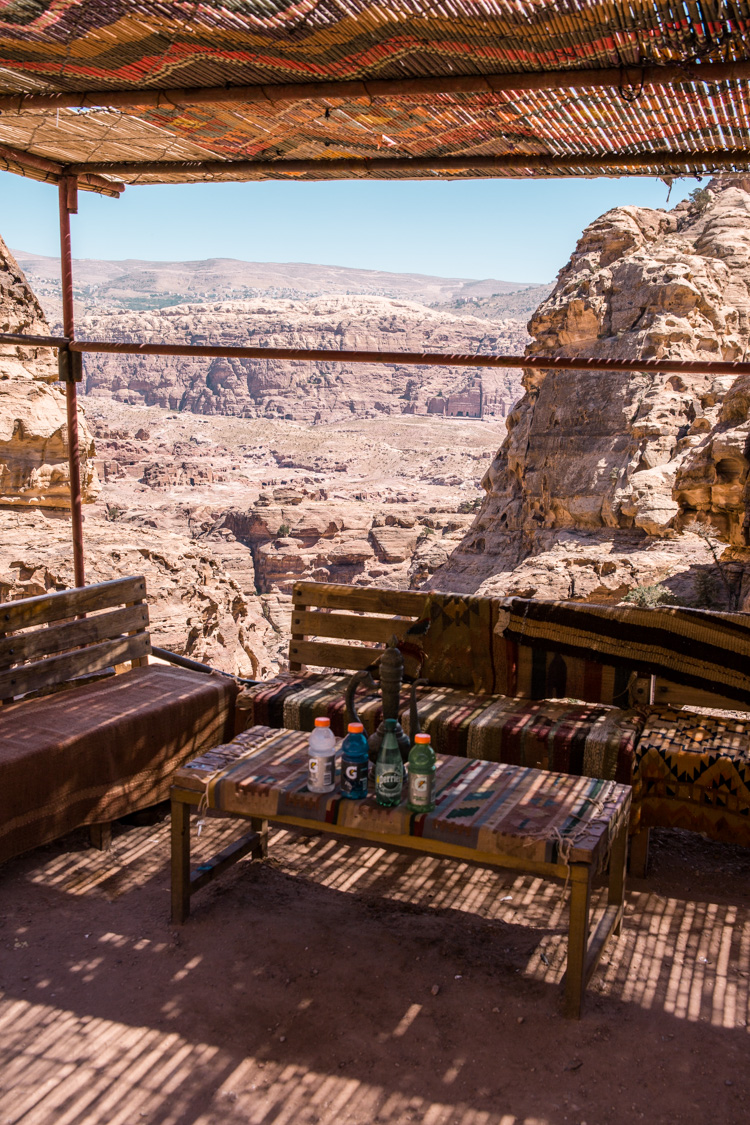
[
  {"x": 322, "y": 722},
  {"x": 355, "y": 728},
  {"x": 390, "y": 724},
  {"x": 422, "y": 739}
]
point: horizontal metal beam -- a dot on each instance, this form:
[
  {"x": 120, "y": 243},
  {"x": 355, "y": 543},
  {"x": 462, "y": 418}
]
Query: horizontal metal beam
[
  {"x": 625, "y": 78},
  {"x": 417, "y": 359},
  {"x": 32, "y": 161},
  {"x": 508, "y": 164},
  {"x": 33, "y": 341}
]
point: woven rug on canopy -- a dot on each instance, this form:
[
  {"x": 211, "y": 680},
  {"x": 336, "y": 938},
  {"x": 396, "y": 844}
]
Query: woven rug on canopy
[
  {"x": 457, "y": 646},
  {"x": 693, "y": 771},
  {"x": 701, "y": 649},
  {"x": 567, "y": 737},
  {"x": 487, "y": 806}
]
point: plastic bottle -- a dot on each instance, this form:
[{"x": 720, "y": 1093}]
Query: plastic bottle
[
  {"x": 321, "y": 762},
  {"x": 389, "y": 768},
  {"x": 354, "y": 763},
  {"x": 421, "y": 775}
]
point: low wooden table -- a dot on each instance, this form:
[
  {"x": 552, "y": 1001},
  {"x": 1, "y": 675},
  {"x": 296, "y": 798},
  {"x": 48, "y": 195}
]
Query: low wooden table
[{"x": 495, "y": 815}]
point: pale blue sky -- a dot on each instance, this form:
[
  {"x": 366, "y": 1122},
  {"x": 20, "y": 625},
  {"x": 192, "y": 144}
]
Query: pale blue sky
[{"x": 514, "y": 230}]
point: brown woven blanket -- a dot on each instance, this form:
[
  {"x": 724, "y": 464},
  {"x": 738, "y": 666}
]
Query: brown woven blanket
[{"x": 701, "y": 649}]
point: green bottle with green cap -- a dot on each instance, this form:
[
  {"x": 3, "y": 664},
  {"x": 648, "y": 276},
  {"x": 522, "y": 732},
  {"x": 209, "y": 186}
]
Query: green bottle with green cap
[
  {"x": 389, "y": 768},
  {"x": 421, "y": 775}
]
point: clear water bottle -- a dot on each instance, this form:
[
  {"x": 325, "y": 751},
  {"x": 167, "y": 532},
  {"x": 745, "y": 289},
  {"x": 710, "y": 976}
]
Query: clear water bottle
[
  {"x": 421, "y": 775},
  {"x": 354, "y": 763},
  {"x": 389, "y": 768},
  {"x": 321, "y": 761}
]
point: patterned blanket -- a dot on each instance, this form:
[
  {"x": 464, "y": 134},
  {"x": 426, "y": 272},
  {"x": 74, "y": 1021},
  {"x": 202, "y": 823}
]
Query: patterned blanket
[
  {"x": 693, "y": 771},
  {"x": 296, "y": 699},
  {"x": 492, "y": 808},
  {"x": 569, "y": 737},
  {"x": 710, "y": 651},
  {"x": 456, "y": 647}
]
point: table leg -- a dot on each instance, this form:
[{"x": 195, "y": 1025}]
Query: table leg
[
  {"x": 639, "y": 853},
  {"x": 618, "y": 862},
  {"x": 180, "y": 862},
  {"x": 261, "y": 827},
  {"x": 578, "y": 940}
]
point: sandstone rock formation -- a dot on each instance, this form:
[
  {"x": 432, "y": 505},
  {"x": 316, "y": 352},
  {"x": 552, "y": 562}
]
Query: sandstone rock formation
[
  {"x": 201, "y": 601},
  {"x": 607, "y": 481},
  {"x": 296, "y": 390},
  {"x": 33, "y": 423}
]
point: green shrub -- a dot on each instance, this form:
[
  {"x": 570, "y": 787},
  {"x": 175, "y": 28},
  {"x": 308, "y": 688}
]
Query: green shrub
[
  {"x": 700, "y": 199},
  {"x": 651, "y": 595},
  {"x": 283, "y": 531}
]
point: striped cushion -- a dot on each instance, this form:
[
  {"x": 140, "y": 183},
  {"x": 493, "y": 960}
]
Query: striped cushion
[
  {"x": 698, "y": 648},
  {"x": 294, "y": 700},
  {"x": 571, "y": 738}
]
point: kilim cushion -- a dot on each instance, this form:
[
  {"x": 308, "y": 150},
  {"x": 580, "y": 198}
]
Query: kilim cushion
[
  {"x": 294, "y": 700},
  {"x": 693, "y": 771},
  {"x": 567, "y": 737}
]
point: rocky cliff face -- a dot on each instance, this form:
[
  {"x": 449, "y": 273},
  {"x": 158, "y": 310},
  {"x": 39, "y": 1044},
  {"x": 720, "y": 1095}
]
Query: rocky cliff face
[
  {"x": 606, "y": 481},
  {"x": 295, "y": 390},
  {"x": 33, "y": 424}
]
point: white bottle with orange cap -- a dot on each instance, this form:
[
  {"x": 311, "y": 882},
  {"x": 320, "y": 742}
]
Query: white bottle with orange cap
[{"x": 321, "y": 761}]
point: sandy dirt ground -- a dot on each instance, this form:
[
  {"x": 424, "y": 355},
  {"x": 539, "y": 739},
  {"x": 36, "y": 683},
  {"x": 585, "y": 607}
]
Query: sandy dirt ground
[{"x": 332, "y": 983}]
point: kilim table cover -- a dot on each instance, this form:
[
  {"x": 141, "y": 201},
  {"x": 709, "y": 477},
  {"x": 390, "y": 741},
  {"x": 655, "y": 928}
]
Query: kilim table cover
[{"x": 491, "y": 807}]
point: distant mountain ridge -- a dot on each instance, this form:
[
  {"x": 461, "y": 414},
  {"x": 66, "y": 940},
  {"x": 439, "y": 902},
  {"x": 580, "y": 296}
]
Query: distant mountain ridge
[{"x": 136, "y": 284}]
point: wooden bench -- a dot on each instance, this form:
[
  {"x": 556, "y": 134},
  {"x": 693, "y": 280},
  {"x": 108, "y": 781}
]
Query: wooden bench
[
  {"x": 493, "y": 673},
  {"x": 80, "y": 744},
  {"x": 551, "y": 825}
]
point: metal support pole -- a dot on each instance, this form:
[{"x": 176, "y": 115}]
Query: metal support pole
[{"x": 68, "y": 192}]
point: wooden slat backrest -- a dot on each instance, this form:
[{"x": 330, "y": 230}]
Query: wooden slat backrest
[
  {"x": 367, "y": 617},
  {"x": 80, "y": 662},
  {"x": 56, "y": 606},
  {"x": 58, "y": 642},
  {"x": 22, "y": 647}
]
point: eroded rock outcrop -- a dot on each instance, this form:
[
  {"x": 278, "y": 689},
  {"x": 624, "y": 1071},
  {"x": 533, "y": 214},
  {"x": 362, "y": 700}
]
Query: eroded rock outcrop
[
  {"x": 303, "y": 391},
  {"x": 33, "y": 423},
  {"x": 631, "y": 475}
]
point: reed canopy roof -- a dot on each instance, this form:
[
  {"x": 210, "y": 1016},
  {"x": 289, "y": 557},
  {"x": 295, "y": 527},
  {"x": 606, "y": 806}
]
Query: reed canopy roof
[{"x": 166, "y": 91}]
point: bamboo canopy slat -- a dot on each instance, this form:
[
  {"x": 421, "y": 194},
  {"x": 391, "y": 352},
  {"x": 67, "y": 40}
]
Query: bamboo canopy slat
[{"x": 169, "y": 91}]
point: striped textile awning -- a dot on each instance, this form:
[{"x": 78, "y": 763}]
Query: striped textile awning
[{"x": 162, "y": 91}]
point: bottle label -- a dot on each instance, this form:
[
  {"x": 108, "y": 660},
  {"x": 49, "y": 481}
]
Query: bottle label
[
  {"x": 421, "y": 788},
  {"x": 353, "y": 776},
  {"x": 389, "y": 781},
  {"x": 320, "y": 773}
]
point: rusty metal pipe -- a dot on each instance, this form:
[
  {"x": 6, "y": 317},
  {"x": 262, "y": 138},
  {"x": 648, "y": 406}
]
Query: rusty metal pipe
[
  {"x": 42, "y": 164},
  {"x": 508, "y": 163},
  {"x": 284, "y": 93},
  {"x": 33, "y": 341},
  {"x": 417, "y": 359},
  {"x": 67, "y": 195}
]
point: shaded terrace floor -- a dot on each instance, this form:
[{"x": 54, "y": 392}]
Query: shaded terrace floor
[{"x": 301, "y": 991}]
